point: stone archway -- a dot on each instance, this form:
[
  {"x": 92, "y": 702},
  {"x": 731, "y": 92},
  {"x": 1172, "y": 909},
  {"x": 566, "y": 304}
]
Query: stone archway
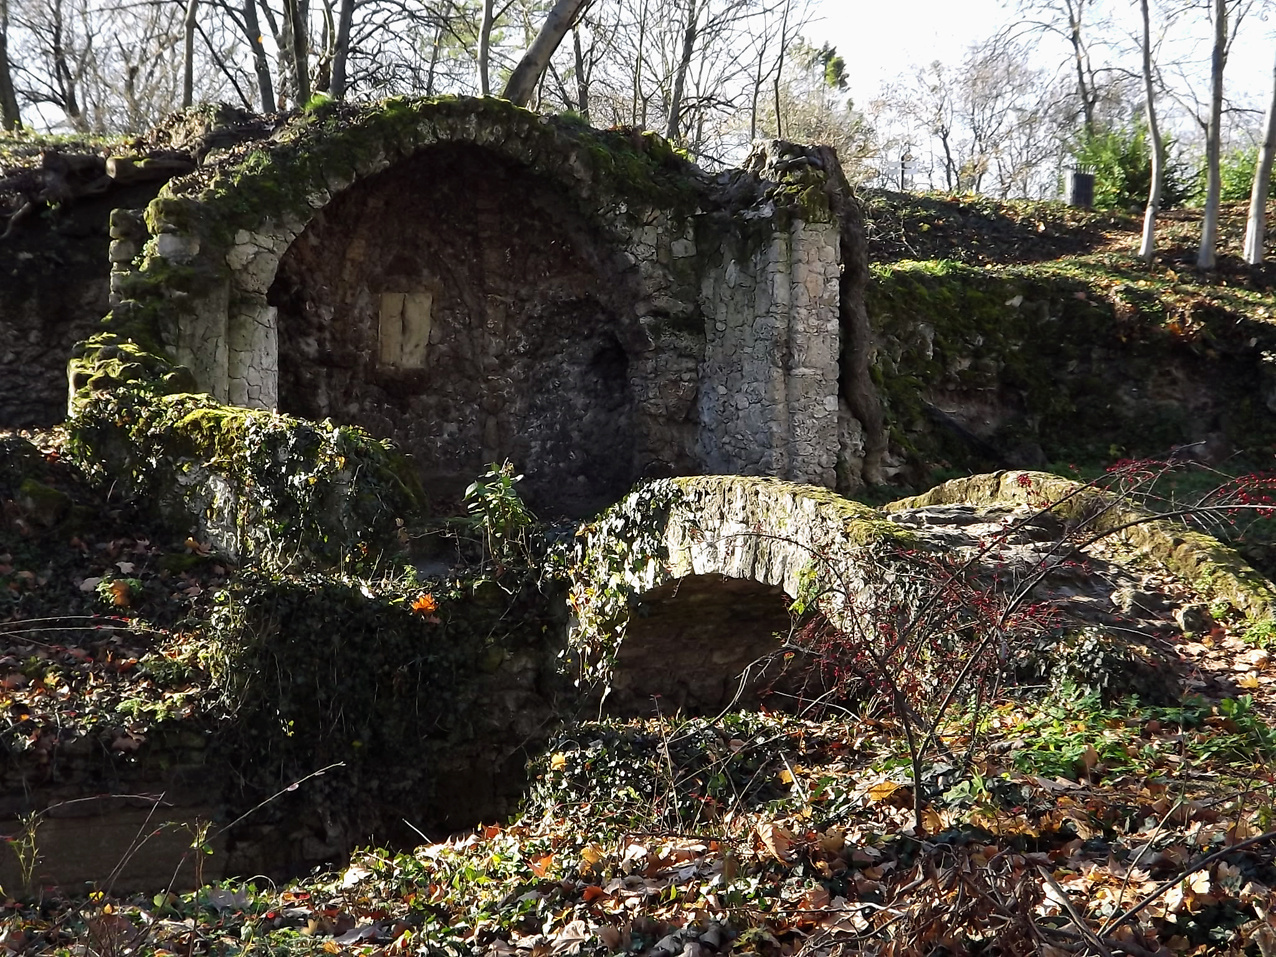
[
  {"x": 685, "y": 582},
  {"x": 459, "y": 303}
]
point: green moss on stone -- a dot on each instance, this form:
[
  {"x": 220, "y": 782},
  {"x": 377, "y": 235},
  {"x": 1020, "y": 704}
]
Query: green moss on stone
[
  {"x": 1075, "y": 360},
  {"x": 42, "y": 504},
  {"x": 769, "y": 500},
  {"x": 1217, "y": 571},
  {"x": 261, "y": 485}
]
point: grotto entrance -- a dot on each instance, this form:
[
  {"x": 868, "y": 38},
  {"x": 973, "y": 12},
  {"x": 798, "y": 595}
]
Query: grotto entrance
[
  {"x": 462, "y": 305},
  {"x": 689, "y": 641}
]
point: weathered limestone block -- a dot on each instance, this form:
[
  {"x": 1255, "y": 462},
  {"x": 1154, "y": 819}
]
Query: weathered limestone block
[
  {"x": 202, "y": 341},
  {"x": 177, "y": 247}
]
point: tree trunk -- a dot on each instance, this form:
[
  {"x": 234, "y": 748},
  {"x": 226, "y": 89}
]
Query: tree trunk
[
  {"x": 1079, "y": 58},
  {"x": 10, "y": 118},
  {"x": 673, "y": 129},
  {"x": 1206, "y": 258},
  {"x": 523, "y": 81},
  {"x": 65, "y": 77},
  {"x": 757, "y": 91},
  {"x": 435, "y": 50},
  {"x": 582, "y": 79},
  {"x": 485, "y": 48},
  {"x": 950, "y": 165},
  {"x": 340, "y": 55},
  {"x": 642, "y": 39},
  {"x": 295, "y": 27},
  {"x": 1147, "y": 247},
  {"x": 188, "y": 50},
  {"x": 1256, "y": 227},
  {"x": 779, "y": 70},
  {"x": 260, "y": 64}
]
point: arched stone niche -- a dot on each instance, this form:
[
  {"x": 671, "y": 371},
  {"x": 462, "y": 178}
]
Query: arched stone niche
[
  {"x": 492, "y": 279},
  {"x": 459, "y": 303},
  {"x": 685, "y": 583}
]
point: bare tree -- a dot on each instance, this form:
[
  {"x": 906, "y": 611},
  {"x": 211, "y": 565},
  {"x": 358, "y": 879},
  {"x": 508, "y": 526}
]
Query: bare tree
[
  {"x": 815, "y": 107},
  {"x": 60, "y": 38},
  {"x": 1256, "y": 225},
  {"x": 994, "y": 123},
  {"x": 523, "y": 81},
  {"x": 137, "y": 79},
  {"x": 1075, "y": 21},
  {"x": 1147, "y": 246},
  {"x": 10, "y": 116},
  {"x": 691, "y": 30},
  {"x": 935, "y": 107}
]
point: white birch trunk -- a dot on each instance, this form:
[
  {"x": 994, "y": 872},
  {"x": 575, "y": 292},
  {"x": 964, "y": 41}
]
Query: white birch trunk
[
  {"x": 1206, "y": 257},
  {"x": 1147, "y": 247},
  {"x": 1256, "y": 226}
]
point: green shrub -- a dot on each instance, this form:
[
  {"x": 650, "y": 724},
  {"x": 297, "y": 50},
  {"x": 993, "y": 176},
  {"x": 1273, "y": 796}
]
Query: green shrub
[
  {"x": 1236, "y": 175},
  {"x": 1122, "y": 164}
]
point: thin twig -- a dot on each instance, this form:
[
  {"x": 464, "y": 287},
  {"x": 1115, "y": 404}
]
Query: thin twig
[
  {"x": 1160, "y": 889},
  {"x": 1082, "y": 927}
]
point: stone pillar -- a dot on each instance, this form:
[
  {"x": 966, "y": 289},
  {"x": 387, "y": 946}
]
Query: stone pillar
[
  {"x": 811, "y": 375},
  {"x": 768, "y": 383},
  {"x": 128, "y": 233},
  {"x": 200, "y": 341},
  {"x": 253, "y": 356}
]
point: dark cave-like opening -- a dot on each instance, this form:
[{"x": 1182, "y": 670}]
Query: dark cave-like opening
[
  {"x": 462, "y": 306},
  {"x": 704, "y": 643}
]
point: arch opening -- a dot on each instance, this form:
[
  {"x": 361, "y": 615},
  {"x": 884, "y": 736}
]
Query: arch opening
[
  {"x": 461, "y": 305},
  {"x": 703, "y": 643}
]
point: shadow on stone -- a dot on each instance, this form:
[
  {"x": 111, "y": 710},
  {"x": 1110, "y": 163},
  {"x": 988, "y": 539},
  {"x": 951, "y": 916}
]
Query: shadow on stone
[{"x": 701, "y": 644}]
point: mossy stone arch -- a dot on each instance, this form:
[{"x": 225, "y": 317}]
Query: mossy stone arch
[
  {"x": 455, "y": 274},
  {"x": 685, "y": 582}
]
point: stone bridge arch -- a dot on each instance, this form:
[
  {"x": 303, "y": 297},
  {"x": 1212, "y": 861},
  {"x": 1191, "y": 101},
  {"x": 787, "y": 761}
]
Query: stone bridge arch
[{"x": 685, "y": 582}]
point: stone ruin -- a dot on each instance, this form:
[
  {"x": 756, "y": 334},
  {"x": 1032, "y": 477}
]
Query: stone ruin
[{"x": 479, "y": 283}]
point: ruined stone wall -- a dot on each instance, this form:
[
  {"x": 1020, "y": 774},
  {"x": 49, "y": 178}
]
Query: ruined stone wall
[
  {"x": 476, "y": 283},
  {"x": 53, "y": 293}
]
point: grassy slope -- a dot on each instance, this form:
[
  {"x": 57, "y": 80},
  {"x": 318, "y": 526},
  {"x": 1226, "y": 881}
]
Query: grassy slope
[{"x": 1096, "y": 246}]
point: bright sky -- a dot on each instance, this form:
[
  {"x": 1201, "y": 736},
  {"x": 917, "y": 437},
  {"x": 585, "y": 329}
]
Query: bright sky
[{"x": 882, "y": 38}]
